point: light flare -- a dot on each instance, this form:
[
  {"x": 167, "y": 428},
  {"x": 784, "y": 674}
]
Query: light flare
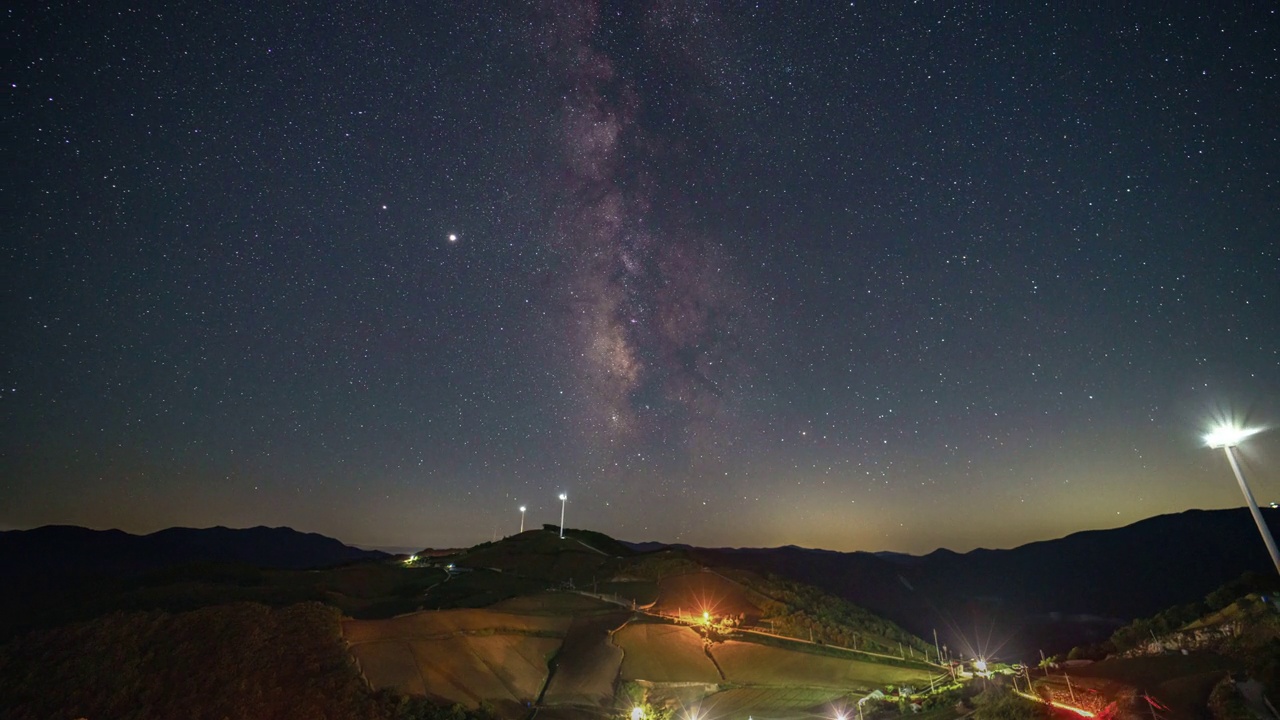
[{"x": 1229, "y": 435}]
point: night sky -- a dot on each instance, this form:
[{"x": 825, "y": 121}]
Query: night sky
[{"x": 877, "y": 276}]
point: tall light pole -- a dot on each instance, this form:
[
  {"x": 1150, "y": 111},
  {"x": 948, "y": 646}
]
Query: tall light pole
[
  {"x": 1227, "y": 438},
  {"x": 564, "y": 497},
  {"x": 522, "y": 509}
]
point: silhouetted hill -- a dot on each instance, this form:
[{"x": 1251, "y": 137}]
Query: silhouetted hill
[
  {"x": 60, "y": 551},
  {"x": 1051, "y": 594}
]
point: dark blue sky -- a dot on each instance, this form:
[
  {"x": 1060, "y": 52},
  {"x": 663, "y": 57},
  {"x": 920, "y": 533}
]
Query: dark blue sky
[{"x": 866, "y": 276}]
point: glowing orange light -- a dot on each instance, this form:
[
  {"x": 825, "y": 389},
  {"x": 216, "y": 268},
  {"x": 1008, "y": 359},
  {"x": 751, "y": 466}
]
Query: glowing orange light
[{"x": 1079, "y": 711}]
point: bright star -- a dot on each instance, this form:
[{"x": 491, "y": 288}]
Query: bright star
[{"x": 453, "y": 238}]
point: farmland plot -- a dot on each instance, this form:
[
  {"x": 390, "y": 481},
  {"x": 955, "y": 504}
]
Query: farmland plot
[{"x": 664, "y": 653}]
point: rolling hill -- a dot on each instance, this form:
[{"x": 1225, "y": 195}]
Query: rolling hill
[
  {"x": 604, "y": 618},
  {"x": 573, "y": 626},
  {"x": 63, "y": 551},
  {"x": 1048, "y": 595}
]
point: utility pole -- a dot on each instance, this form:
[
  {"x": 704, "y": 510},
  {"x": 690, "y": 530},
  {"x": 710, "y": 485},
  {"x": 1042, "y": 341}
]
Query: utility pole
[
  {"x": 1228, "y": 438},
  {"x": 935, "y": 645},
  {"x": 1069, "y": 688}
]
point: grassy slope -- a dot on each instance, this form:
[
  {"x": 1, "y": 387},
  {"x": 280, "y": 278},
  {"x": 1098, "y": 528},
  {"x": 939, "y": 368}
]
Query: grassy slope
[
  {"x": 240, "y": 660},
  {"x": 1182, "y": 682},
  {"x": 429, "y": 625},
  {"x": 500, "y": 655},
  {"x": 760, "y": 701},
  {"x": 541, "y": 555},
  {"x": 751, "y": 663},
  {"x": 695, "y": 593}
]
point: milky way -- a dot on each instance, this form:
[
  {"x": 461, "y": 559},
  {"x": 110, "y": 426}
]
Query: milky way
[
  {"x": 656, "y": 314},
  {"x": 849, "y": 275}
]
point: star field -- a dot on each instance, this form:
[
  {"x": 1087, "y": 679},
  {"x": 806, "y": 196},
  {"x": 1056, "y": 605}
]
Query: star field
[{"x": 860, "y": 276}]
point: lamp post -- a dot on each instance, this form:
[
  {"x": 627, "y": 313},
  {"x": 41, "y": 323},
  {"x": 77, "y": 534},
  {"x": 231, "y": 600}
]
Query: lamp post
[
  {"x": 564, "y": 497},
  {"x": 522, "y": 509},
  {"x": 1227, "y": 438}
]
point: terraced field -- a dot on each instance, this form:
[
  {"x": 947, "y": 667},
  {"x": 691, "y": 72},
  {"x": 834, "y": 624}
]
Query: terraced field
[
  {"x": 435, "y": 623},
  {"x": 587, "y": 665},
  {"x": 663, "y": 653},
  {"x": 459, "y": 656},
  {"x": 553, "y": 603},
  {"x": 567, "y": 652}
]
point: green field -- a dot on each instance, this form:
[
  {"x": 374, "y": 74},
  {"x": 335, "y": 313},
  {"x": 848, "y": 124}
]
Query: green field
[
  {"x": 749, "y": 663},
  {"x": 766, "y": 702}
]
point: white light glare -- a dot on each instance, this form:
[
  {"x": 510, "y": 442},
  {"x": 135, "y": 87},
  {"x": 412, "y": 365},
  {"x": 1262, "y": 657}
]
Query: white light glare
[
  {"x": 564, "y": 496},
  {"x": 1228, "y": 436}
]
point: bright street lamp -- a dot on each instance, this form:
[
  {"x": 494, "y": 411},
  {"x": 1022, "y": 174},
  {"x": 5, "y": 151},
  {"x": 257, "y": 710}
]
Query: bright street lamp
[
  {"x": 563, "y": 498},
  {"x": 522, "y": 509},
  {"x": 1227, "y": 438}
]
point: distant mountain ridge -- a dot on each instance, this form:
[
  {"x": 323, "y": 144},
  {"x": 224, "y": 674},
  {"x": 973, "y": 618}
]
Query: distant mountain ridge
[
  {"x": 66, "y": 551},
  {"x": 1050, "y": 594}
]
